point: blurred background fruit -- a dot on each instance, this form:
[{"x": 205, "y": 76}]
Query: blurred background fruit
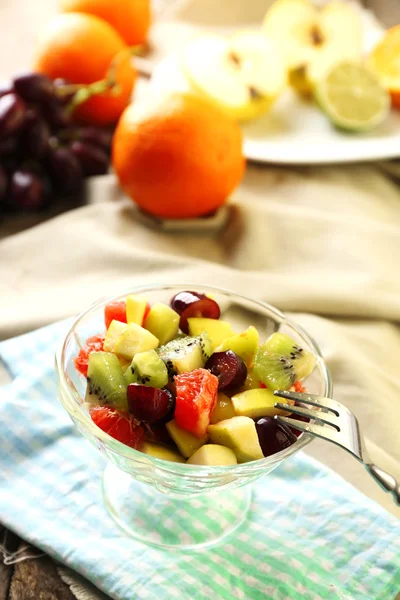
[
  {"x": 131, "y": 18},
  {"x": 44, "y": 153},
  {"x": 242, "y": 74},
  {"x": 352, "y": 97},
  {"x": 313, "y": 40},
  {"x": 385, "y": 61},
  {"x": 178, "y": 158},
  {"x": 81, "y": 48}
]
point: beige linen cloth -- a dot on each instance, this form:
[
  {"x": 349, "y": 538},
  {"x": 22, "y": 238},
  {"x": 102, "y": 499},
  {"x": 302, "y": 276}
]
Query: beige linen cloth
[{"x": 322, "y": 243}]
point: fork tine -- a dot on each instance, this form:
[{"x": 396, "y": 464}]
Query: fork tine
[
  {"x": 326, "y": 433},
  {"x": 325, "y": 403},
  {"x": 317, "y": 415}
]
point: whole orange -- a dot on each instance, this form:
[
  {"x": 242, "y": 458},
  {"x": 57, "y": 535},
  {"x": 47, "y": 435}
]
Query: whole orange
[
  {"x": 385, "y": 61},
  {"x": 131, "y": 18},
  {"x": 81, "y": 48},
  {"x": 178, "y": 158}
]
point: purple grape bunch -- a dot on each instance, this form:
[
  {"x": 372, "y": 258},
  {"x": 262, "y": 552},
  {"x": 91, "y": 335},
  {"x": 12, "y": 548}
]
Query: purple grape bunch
[{"x": 44, "y": 154}]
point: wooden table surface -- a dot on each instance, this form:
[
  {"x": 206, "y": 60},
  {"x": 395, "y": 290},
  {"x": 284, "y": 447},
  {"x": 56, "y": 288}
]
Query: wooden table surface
[{"x": 34, "y": 579}]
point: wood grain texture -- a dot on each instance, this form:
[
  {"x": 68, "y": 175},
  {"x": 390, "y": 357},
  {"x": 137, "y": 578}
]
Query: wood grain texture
[
  {"x": 6, "y": 571},
  {"x": 33, "y": 579},
  {"x": 36, "y": 579},
  {"x": 5, "y": 580}
]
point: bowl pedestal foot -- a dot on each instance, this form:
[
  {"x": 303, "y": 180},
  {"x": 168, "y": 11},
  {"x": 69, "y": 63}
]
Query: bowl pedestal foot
[{"x": 181, "y": 522}]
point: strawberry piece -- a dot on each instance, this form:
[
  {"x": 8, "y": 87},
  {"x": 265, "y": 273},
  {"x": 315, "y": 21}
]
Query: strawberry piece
[
  {"x": 262, "y": 385},
  {"x": 196, "y": 394},
  {"x": 115, "y": 311},
  {"x": 120, "y": 425},
  {"x": 93, "y": 344}
]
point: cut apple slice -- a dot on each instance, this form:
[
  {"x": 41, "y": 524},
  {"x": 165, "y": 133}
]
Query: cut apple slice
[
  {"x": 243, "y": 74},
  {"x": 216, "y": 329},
  {"x": 135, "y": 309},
  {"x": 313, "y": 40}
]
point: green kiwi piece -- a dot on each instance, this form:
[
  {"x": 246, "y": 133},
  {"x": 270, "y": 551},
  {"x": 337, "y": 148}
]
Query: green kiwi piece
[
  {"x": 281, "y": 361},
  {"x": 106, "y": 384},
  {"x": 147, "y": 368},
  {"x": 185, "y": 354}
]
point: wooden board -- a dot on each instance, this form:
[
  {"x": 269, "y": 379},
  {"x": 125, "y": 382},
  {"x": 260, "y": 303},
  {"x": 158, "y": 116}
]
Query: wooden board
[{"x": 32, "y": 579}]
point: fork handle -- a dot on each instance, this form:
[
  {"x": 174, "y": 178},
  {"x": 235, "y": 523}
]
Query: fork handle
[{"x": 385, "y": 480}]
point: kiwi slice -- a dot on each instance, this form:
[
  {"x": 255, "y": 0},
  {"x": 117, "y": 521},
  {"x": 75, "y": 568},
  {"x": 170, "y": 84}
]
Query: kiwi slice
[
  {"x": 185, "y": 354},
  {"x": 147, "y": 368},
  {"x": 281, "y": 361},
  {"x": 106, "y": 384}
]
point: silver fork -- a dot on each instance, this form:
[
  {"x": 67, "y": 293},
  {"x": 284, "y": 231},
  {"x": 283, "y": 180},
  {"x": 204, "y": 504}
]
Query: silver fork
[{"x": 339, "y": 426}]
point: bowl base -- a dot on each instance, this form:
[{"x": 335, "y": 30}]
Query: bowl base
[{"x": 163, "y": 521}]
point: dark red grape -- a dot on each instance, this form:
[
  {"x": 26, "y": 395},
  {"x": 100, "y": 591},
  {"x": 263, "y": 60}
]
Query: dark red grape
[
  {"x": 229, "y": 368},
  {"x": 6, "y": 87},
  {"x": 33, "y": 87},
  {"x": 65, "y": 170},
  {"x": 56, "y": 114},
  {"x": 3, "y": 183},
  {"x": 35, "y": 135},
  {"x": 273, "y": 435},
  {"x": 193, "y": 304},
  {"x": 9, "y": 146},
  {"x": 149, "y": 404},
  {"x": 97, "y": 137},
  {"x": 12, "y": 113},
  {"x": 182, "y": 300},
  {"x": 158, "y": 433},
  {"x": 297, "y": 432},
  {"x": 93, "y": 160},
  {"x": 27, "y": 190}
]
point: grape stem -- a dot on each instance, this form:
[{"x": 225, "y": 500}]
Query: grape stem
[{"x": 82, "y": 93}]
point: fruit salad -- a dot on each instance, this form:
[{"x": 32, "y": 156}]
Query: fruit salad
[{"x": 178, "y": 383}]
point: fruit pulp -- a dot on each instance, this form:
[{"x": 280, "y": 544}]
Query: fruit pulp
[{"x": 188, "y": 397}]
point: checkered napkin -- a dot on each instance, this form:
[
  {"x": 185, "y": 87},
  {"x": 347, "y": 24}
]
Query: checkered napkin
[{"x": 309, "y": 535}]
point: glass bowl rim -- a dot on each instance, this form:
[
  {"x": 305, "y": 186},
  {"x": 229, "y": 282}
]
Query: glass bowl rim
[{"x": 129, "y": 453}]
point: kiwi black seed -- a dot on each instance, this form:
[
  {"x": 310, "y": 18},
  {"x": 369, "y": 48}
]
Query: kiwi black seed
[{"x": 148, "y": 369}]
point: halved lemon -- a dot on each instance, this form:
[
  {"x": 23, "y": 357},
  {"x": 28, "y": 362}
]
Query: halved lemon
[{"x": 352, "y": 97}]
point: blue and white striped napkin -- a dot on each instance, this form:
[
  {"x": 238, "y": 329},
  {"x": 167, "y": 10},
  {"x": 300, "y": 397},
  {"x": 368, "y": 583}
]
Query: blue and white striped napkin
[{"x": 309, "y": 535}]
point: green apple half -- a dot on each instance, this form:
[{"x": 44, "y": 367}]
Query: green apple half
[
  {"x": 313, "y": 40},
  {"x": 242, "y": 74}
]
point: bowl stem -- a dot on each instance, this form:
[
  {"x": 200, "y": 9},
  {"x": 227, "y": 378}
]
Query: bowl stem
[{"x": 160, "y": 520}]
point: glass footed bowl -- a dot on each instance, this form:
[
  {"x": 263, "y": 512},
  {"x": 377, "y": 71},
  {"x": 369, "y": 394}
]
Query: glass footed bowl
[{"x": 173, "y": 504}]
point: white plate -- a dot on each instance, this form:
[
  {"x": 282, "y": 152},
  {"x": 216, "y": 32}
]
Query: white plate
[{"x": 296, "y": 132}]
